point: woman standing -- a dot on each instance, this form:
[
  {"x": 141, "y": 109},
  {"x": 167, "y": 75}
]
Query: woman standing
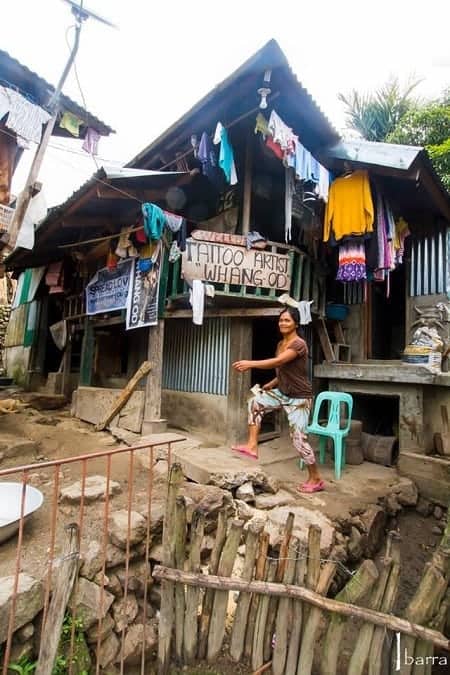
[{"x": 290, "y": 390}]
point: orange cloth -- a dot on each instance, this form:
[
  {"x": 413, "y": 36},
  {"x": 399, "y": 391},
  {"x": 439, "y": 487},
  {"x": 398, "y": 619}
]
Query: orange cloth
[{"x": 349, "y": 208}]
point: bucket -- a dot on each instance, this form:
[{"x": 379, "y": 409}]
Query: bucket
[{"x": 380, "y": 449}]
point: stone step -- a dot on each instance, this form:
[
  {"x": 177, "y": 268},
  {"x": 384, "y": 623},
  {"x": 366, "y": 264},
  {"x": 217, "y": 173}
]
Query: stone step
[{"x": 13, "y": 446}]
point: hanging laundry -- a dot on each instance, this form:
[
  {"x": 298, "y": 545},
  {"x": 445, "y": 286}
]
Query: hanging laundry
[
  {"x": 8, "y": 153},
  {"x": 125, "y": 248},
  {"x": 71, "y": 123},
  {"x": 181, "y": 236},
  {"x": 255, "y": 240},
  {"x": 91, "y": 140},
  {"x": 352, "y": 262},
  {"x": 281, "y": 133},
  {"x": 275, "y": 147},
  {"x": 55, "y": 278},
  {"x": 174, "y": 253},
  {"x": 111, "y": 261},
  {"x": 324, "y": 183},
  {"x": 289, "y": 180},
  {"x": 24, "y": 118},
  {"x": 349, "y": 209},
  {"x": 207, "y": 155},
  {"x": 262, "y": 125},
  {"x": 226, "y": 155},
  {"x": 304, "y": 309},
  {"x": 173, "y": 221},
  {"x": 154, "y": 221},
  {"x": 402, "y": 231},
  {"x": 197, "y": 301}
]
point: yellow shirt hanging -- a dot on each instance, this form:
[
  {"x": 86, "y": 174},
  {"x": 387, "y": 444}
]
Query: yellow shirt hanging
[{"x": 349, "y": 207}]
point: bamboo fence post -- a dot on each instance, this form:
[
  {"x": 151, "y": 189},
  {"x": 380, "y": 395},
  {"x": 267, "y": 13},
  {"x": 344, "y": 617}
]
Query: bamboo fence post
[
  {"x": 297, "y": 614},
  {"x": 244, "y": 600},
  {"x": 273, "y": 604},
  {"x": 313, "y": 564},
  {"x": 166, "y": 617},
  {"x": 259, "y": 576},
  {"x": 424, "y": 649},
  {"x": 358, "y": 586},
  {"x": 219, "y": 612},
  {"x": 314, "y": 615},
  {"x": 193, "y": 594},
  {"x": 205, "y": 618},
  {"x": 180, "y": 556},
  {"x": 389, "y": 598},
  {"x": 63, "y": 588},
  {"x": 362, "y": 648},
  {"x": 284, "y": 613},
  {"x": 261, "y": 620}
]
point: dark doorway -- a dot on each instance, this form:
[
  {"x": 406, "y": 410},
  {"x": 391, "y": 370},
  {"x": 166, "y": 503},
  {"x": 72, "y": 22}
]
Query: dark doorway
[
  {"x": 388, "y": 317},
  {"x": 265, "y": 340}
]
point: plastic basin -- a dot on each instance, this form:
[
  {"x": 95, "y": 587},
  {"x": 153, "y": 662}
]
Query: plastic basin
[{"x": 10, "y": 499}]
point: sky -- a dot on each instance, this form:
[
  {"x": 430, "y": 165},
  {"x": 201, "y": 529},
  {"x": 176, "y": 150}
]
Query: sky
[{"x": 164, "y": 56}]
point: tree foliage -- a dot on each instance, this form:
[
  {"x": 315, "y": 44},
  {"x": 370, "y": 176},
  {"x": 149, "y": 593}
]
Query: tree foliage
[{"x": 376, "y": 115}]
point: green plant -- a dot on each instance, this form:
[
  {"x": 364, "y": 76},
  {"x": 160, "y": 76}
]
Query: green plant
[
  {"x": 80, "y": 655},
  {"x": 23, "y": 666}
]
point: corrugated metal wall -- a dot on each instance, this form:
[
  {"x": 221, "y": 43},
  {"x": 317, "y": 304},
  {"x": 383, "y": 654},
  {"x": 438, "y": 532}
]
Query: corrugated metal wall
[
  {"x": 428, "y": 270},
  {"x": 16, "y": 326},
  {"x": 197, "y": 358}
]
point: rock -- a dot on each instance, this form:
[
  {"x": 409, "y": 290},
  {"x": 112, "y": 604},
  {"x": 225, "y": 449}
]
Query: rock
[
  {"x": 355, "y": 545},
  {"x": 406, "y": 492},
  {"x": 161, "y": 470},
  {"x": 424, "y": 507},
  {"x": 303, "y": 518},
  {"x": 156, "y": 553},
  {"x": 438, "y": 512},
  {"x": 149, "y": 612},
  {"x": 229, "y": 480},
  {"x": 271, "y": 501},
  {"x": 46, "y": 420},
  {"x": 243, "y": 510},
  {"x": 340, "y": 539},
  {"x": 392, "y": 505},
  {"x": 437, "y": 530},
  {"x": 118, "y": 528},
  {"x": 374, "y": 520},
  {"x": 114, "y": 586},
  {"x": 358, "y": 523},
  {"x": 92, "y": 560},
  {"x": 21, "y": 650},
  {"x": 137, "y": 573},
  {"x": 124, "y": 612},
  {"x": 108, "y": 650},
  {"x": 208, "y": 498},
  {"x": 245, "y": 492},
  {"x": 12, "y": 446},
  {"x": 339, "y": 553},
  {"x": 155, "y": 596},
  {"x": 135, "y": 637},
  {"x": 106, "y": 628},
  {"x": 24, "y": 633},
  {"x": 117, "y": 556},
  {"x": 29, "y": 602},
  {"x": 86, "y": 602},
  {"x": 95, "y": 488}
]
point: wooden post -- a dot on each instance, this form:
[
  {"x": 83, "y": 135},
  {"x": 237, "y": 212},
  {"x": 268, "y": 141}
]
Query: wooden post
[
  {"x": 87, "y": 354},
  {"x": 205, "y": 618},
  {"x": 193, "y": 594},
  {"x": 297, "y": 614},
  {"x": 273, "y": 605},
  {"x": 312, "y": 624},
  {"x": 227, "y": 560},
  {"x": 180, "y": 555},
  {"x": 259, "y": 575},
  {"x": 167, "y": 587},
  {"x": 239, "y": 383},
  {"x": 124, "y": 395},
  {"x": 247, "y": 199},
  {"x": 65, "y": 581},
  {"x": 67, "y": 358},
  {"x": 261, "y": 620},
  {"x": 358, "y": 586},
  {"x": 283, "y": 620},
  {"x": 152, "y": 422},
  {"x": 243, "y": 603}
]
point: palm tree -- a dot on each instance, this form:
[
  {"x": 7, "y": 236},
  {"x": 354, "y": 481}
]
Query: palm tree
[{"x": 374, "y": 116}]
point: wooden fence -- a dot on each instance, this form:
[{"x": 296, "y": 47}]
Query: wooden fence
[{"x": 282, "y": 621}]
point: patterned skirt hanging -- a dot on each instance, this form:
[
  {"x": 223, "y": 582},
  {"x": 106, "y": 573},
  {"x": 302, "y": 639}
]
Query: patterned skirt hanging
[{"x": 352, "y": 262}]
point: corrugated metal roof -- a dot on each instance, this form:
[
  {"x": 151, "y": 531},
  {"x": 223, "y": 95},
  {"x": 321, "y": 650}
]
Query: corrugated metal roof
[
  {"x": 16, "y": 74},
  {"x": 379, "y": 154},
  {"x": 300, "y": 101}
]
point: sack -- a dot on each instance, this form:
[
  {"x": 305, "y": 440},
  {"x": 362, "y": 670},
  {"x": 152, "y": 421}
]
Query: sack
[{"x": 423, "y": 356}]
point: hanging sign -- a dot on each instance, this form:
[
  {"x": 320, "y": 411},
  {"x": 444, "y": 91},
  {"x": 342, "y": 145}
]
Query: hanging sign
[
  {"x": 107, "y": 291},
  {"x": 142, "y": 305},
  {"x": 224, "y": 264}
]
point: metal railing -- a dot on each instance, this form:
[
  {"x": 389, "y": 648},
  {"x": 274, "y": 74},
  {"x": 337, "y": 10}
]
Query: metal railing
[{"x": 50, "y": 476}]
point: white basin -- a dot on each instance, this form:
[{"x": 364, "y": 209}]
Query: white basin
[{"x": 10, "y": 500}]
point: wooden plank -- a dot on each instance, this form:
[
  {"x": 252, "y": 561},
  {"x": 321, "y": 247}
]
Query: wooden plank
[
  {"x": 180, "y": 554},
  {"x": 259, "y": 575},
  {"x": 261, "y": 620},
  {"x": 230, "y": 311},
  {"x": 225, "y": 584},
  {"x": 247, "y": 197},
  {"x": 87, "y": 353},
  {"x": 284, "y": 619},
  {"x": 67, "y": 573},
  {"x": 297, "y": 615},
  {"x": 325, "y": 342},
  {"x": 192, "y": 593},
  {"x": 124, "y": 395}
]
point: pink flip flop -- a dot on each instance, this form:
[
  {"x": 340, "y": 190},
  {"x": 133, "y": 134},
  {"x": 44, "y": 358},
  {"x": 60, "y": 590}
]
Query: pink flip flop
[
  {"x": 244, "y": 450},
  {"x": 312, "y": 487}
]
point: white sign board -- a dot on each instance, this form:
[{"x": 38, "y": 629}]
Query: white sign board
[{"x": 224, "y": 264}]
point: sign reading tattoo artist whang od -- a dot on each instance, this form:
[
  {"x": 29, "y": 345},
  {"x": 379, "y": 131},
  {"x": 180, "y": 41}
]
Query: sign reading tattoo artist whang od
[
  {"x": 226, "y": 264},
  {"x": 107, "y": 291}
]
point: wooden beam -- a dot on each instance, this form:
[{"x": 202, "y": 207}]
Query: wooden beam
[
  {"x": 235, "y": 311},
  {"x": 247, "y": 200},
  {"x": 123, "y": 397},
  {"x": 298, "y": 592}
]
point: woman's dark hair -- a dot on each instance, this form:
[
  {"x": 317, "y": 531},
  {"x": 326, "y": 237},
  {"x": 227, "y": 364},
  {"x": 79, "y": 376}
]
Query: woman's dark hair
[{"x": 295, "y": 316}]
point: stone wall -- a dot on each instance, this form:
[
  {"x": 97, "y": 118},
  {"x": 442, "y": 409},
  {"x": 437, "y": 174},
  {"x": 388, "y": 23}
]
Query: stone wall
[
  {"x": 196, "y": 412},
  {"x": 17, "y": 363},
  {"x": 5, "y": 311}
]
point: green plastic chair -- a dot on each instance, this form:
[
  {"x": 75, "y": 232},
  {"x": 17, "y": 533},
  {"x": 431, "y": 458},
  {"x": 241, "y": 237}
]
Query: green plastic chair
[{"x": 332, "y": 429}]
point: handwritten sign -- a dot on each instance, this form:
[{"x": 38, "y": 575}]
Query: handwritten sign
[
  {"x": 107, "y": 291},
  {"x": 224, "y": 264}
]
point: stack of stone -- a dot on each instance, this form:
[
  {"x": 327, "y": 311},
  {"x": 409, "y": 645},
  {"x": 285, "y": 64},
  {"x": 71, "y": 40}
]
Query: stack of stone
[{"x": 5, "y": 312}]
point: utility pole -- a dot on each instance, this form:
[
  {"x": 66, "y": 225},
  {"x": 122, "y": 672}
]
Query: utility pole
[{"x": 30, "y": 188}]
